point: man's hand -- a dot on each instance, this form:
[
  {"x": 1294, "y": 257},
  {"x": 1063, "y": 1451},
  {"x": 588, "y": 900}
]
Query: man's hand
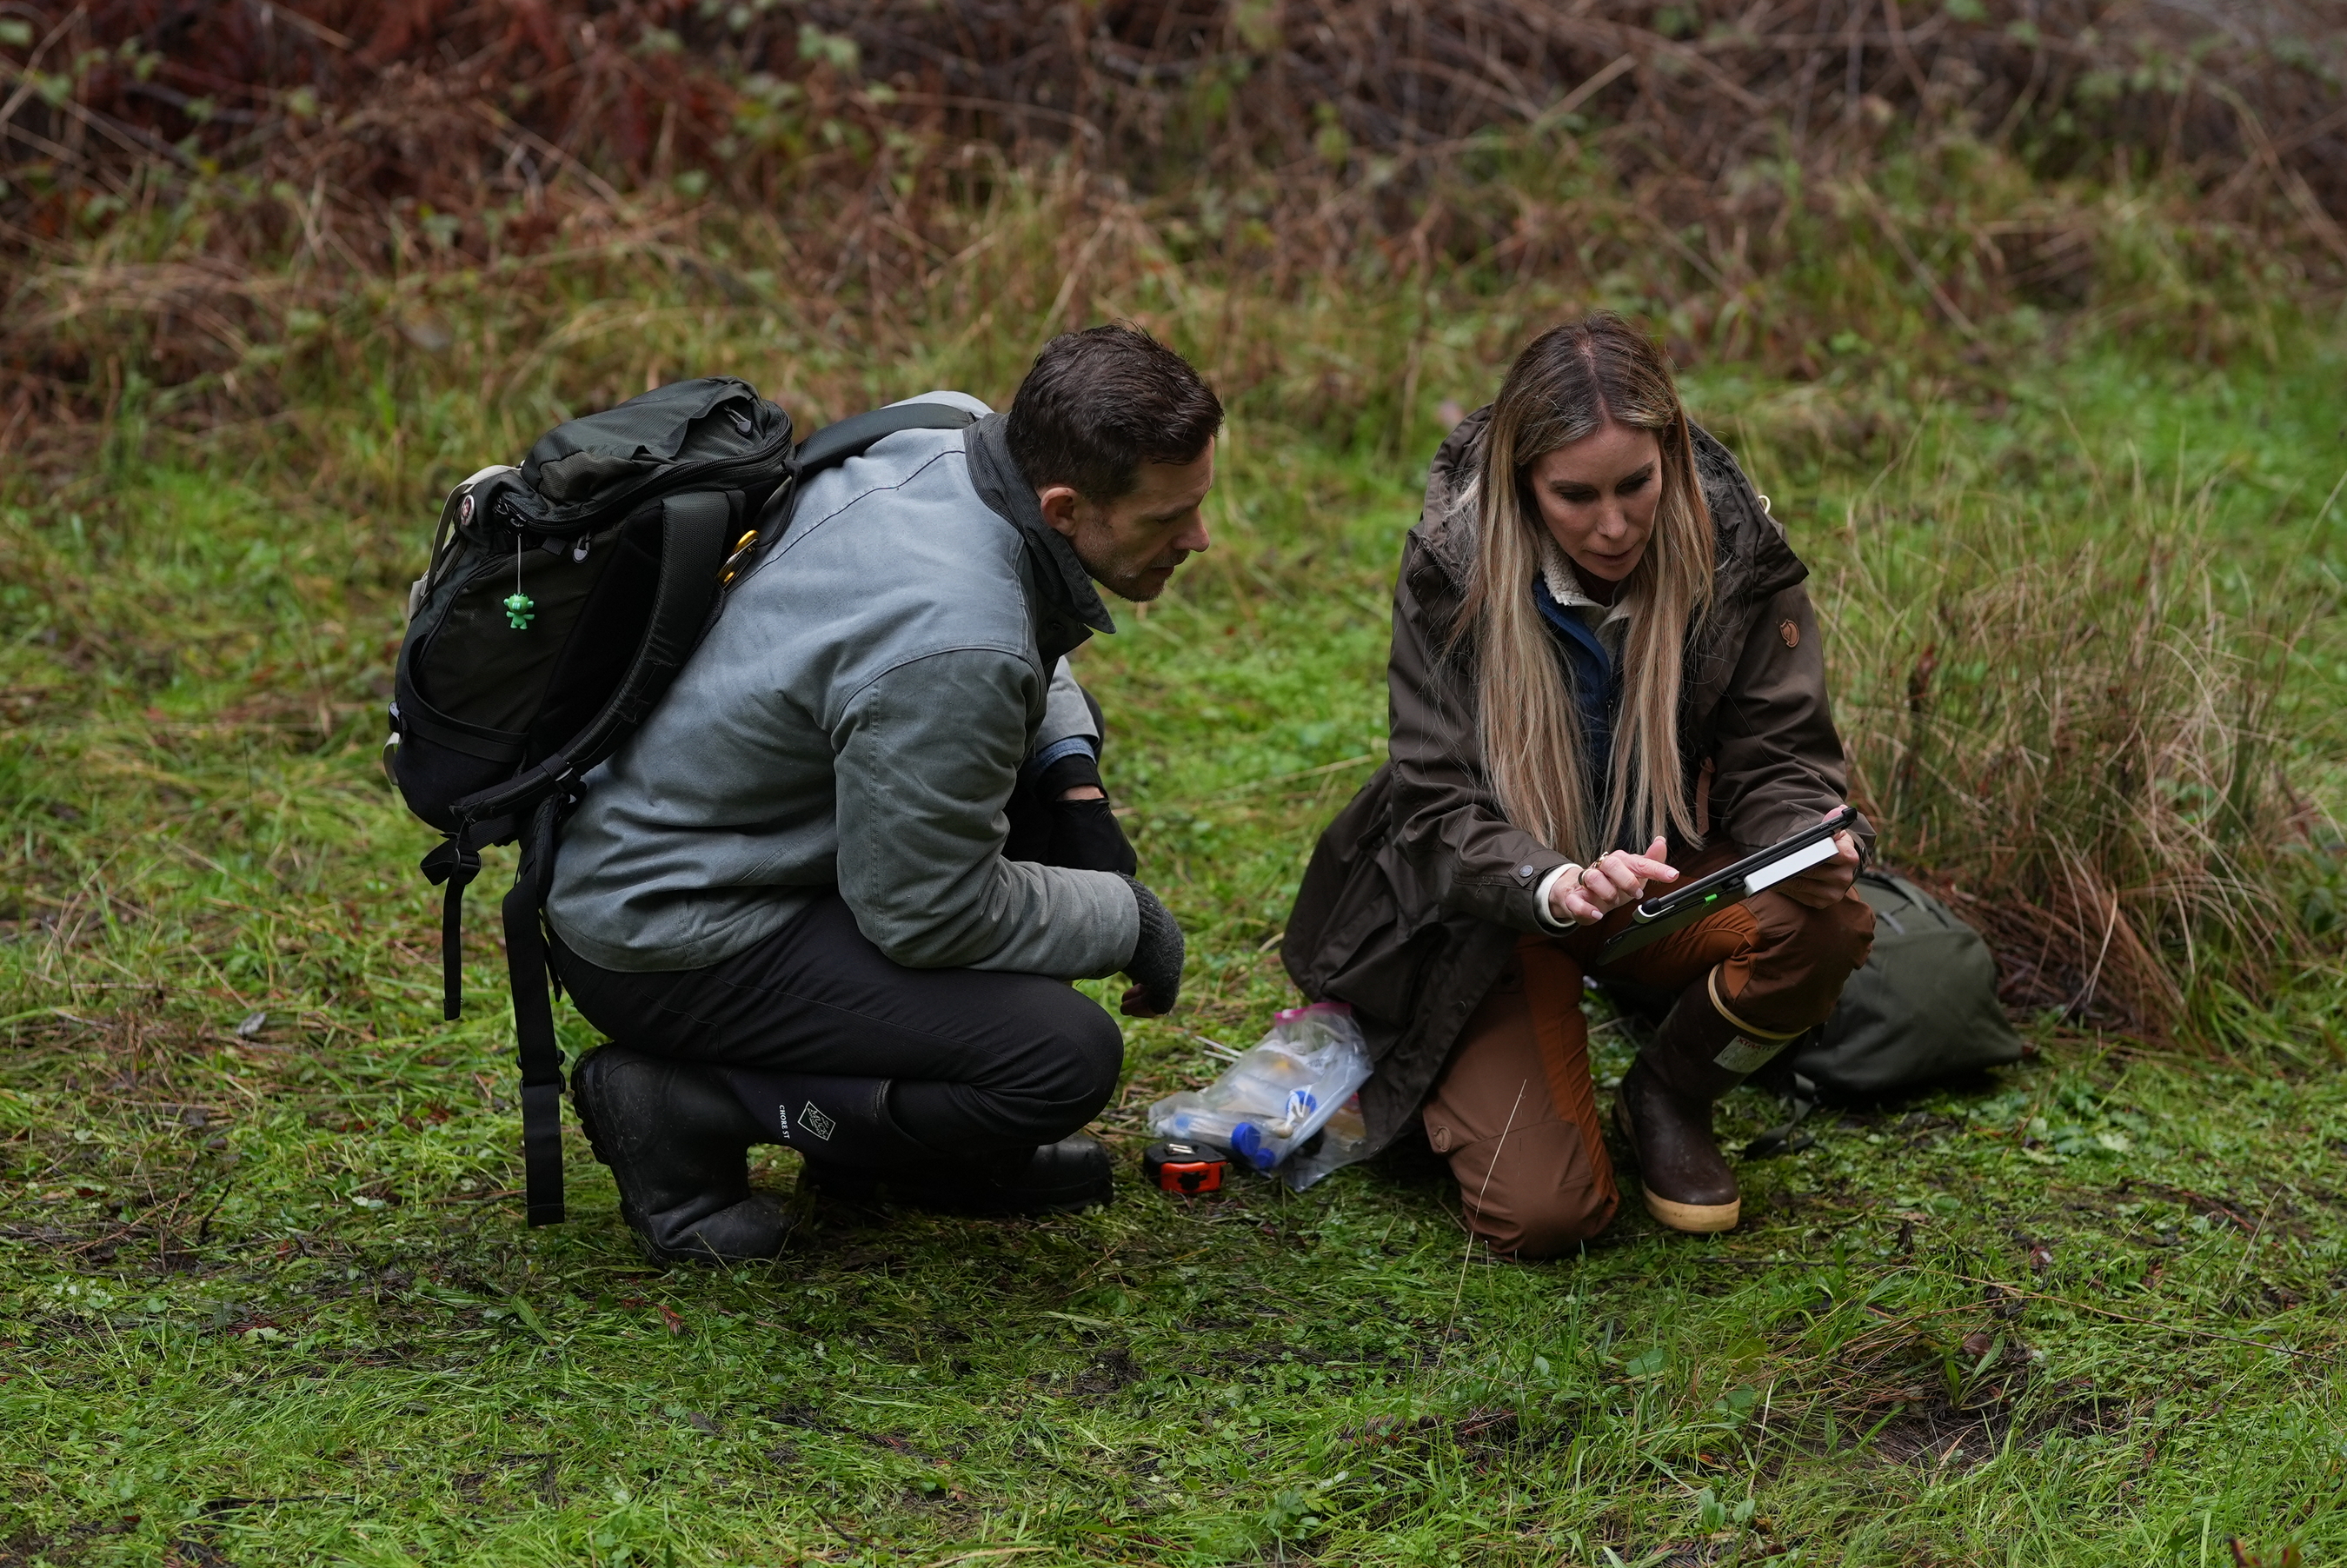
[
  {"x": 1086, "y": 835},
  {"x": 1827, "y": 883},
  {"x": 1608, "y": 883},
  {"x": 1155, "y": 967}
]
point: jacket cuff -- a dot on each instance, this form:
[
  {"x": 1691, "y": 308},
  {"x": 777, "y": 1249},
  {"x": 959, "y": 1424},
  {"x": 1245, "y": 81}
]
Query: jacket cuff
[
  {"x": 1059, "y": 751},
  {"x": 1511, "y": 896},
  {"x": 1071, "y": 771},
  {"x": 1540, "y": 903}
]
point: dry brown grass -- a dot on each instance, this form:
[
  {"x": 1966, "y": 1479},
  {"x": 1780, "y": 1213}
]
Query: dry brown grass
[
  {"x": 2079, "y": 730},
  {"x": 187, "y": 191}
]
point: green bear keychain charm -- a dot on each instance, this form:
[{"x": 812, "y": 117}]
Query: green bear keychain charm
[{"x": 518, "y": 604}]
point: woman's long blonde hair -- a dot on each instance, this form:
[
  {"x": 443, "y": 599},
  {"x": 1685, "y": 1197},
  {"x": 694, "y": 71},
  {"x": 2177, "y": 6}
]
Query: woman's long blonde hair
[{"x": 1564, "y": 387}]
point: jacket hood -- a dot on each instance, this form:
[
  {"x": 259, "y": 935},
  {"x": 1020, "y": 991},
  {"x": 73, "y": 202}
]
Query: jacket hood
[{"x": 1754, "y": 559}]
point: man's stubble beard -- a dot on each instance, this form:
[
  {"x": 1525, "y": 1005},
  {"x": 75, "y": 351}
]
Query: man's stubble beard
[
  {"x": 1137, "y": 585},
  {"x": 1144, "y": 585}
]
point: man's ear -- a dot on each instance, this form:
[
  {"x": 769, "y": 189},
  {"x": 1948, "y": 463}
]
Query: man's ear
[{"x": 1060, "y": 505}]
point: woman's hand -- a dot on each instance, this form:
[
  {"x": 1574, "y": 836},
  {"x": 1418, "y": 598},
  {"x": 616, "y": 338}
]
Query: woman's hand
[
  {"x": 1608, "y": 883},
  {"x": 1827, "y": 883}
]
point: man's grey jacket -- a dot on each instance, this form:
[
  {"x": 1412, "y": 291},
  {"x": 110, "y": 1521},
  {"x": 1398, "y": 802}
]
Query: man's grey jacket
[{"x": 856, "y": 719}]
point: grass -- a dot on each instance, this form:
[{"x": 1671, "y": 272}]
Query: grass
[{"x": 267, "y": 1294}]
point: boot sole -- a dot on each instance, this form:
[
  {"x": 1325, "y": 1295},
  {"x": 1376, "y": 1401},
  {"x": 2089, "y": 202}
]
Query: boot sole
[
  {"x": 1694, "y": 1219},
  {"x": 671, "y": 1257},
  {"x": 932, "y": 1201},
  {"x": 1690, "y": 1219}
]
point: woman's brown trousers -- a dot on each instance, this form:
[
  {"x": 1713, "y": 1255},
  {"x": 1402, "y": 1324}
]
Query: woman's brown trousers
[{"x": 1515, "y": 1111}]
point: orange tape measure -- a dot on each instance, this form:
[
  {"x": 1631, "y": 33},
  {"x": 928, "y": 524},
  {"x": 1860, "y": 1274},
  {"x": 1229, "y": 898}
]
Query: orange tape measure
[{"x": 1187, "y": 1169}]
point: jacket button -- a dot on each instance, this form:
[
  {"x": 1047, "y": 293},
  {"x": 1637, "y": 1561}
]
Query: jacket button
[{"x": 1523, "y": 871}]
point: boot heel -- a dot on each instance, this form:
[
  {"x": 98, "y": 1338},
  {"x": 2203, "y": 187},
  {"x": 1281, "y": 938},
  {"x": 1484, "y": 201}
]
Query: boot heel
[{"x": 677, "y": 1143}]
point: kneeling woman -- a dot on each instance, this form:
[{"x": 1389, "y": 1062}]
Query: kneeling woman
[{"x": 1601, "y": 642}]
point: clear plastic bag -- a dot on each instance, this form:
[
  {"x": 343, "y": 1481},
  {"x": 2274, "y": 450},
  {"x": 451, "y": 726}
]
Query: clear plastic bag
[
  {"x": 1292, "y": 1090},
  {"x": 1345, "y": 1141}
]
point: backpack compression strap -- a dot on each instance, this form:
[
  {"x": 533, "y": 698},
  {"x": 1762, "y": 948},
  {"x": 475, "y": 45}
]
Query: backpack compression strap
[
  {"x": 540, "y": 1056},
  {"x": 453, "y": 863}
]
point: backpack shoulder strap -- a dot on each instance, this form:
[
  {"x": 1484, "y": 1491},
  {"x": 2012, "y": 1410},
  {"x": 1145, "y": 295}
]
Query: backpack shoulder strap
[
  {"x": 694, "y": 527},
  {"x": 827, "y": 449},
  {"x": 852, "y": 438}
]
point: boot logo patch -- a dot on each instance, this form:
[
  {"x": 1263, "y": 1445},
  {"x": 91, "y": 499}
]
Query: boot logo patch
[
  {"x": 1744, "y": 1055},
  {"x": 812, "y": 1118}
]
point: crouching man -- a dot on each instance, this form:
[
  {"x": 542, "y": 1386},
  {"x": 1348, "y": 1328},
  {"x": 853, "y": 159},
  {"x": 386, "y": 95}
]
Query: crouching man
[{"x": 831, "y": 895}]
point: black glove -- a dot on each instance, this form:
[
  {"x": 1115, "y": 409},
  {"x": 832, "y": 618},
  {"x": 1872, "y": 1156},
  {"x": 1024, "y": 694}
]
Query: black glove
[
  {"x": 1082, "y": 834},
  {"x": 1155, "y": 967},
  {"x": 1085, "y": 834}
]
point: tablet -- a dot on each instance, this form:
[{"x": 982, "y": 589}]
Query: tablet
[{"x": 1659, "y": 917}]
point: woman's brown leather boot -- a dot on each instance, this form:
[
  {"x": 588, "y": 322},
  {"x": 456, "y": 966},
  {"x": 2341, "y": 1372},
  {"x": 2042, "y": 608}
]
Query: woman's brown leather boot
[{"x": 1664, "y": 1109}]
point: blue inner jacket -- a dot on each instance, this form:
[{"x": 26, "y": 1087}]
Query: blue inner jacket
[{"x": 1595, "y": 677}]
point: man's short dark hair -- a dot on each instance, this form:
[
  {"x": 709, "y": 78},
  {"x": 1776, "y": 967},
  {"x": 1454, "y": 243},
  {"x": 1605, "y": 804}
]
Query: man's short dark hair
[{"x": 1099, "y": 403}]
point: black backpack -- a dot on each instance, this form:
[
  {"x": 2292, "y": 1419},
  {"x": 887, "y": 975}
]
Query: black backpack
[{"x": 561, "y": 600}]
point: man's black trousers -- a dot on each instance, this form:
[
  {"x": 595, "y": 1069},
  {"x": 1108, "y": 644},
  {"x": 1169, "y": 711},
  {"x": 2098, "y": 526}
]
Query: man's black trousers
[{"x": 975, "y": 1061}]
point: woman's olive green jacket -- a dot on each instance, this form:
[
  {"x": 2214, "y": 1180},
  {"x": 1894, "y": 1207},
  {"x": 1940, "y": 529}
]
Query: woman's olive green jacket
[{"x": 1420, "y": 888}]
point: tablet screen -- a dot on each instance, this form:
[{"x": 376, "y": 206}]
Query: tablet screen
[{"x": 1793, "y": 864}]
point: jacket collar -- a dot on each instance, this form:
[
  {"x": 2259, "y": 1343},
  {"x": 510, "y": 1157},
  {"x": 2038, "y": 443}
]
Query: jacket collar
[
  {"x": 1059, "y": 569},
  {"x": 1563, "y": 584}
]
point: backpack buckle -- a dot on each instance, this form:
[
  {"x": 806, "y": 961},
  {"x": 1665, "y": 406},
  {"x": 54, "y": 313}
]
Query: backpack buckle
[{"x": 453, "y": 858}]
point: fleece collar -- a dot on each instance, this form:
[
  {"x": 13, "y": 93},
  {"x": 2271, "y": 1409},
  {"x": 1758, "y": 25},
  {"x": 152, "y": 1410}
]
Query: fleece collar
[{"x": 1563, "y": 584}]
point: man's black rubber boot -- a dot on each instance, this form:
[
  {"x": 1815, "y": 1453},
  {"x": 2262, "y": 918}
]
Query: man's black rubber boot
[
  {"x": 1664, "y": 1111},
  {"x": 1063, "y": 1178},
  {"x": 855, "y": 1149},
  {"x": 678, "y": 1145},
  {"x": 842, "y": 1125}
]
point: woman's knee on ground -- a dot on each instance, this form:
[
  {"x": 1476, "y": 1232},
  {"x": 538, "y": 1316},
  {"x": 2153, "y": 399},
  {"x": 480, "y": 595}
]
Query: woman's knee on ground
[{"x": 1534, "y": 1193}]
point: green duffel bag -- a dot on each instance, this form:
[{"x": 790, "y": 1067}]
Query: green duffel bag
[{"x": 1923, "y": 1009}]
